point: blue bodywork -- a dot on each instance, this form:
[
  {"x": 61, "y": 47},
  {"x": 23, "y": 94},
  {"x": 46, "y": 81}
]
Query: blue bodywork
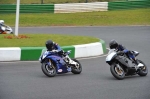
[{"x": 57, "y": 60}]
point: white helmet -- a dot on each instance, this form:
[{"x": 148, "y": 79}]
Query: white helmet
[{"x": 1, "y": 21}]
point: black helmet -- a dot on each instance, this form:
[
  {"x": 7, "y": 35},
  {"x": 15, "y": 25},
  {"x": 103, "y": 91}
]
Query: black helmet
[
  {"x": 49, "y": 45},
  {"x": 113, "y": 44}
]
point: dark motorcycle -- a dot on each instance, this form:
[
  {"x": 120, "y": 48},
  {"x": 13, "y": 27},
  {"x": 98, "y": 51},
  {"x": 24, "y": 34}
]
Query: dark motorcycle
[{"x": 121, "y": 65}]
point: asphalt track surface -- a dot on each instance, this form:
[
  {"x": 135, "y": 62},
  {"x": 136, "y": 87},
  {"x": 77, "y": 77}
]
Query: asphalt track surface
[{"x": 25, "y": 80}]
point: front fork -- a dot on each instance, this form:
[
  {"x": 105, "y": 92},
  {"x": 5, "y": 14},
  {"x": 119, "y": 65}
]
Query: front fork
[
  {"x": 118, "y": 67},
  {"x": 50, "y": 64}
]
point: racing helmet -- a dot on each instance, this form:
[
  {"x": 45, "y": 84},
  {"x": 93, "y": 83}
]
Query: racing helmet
[
  {"x": 1, "y": 21},
  {"x": 49, "y": 45},
  {"x": 113, "y": 44}
]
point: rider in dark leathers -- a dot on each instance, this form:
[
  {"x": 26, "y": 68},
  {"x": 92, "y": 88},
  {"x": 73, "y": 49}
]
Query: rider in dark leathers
[{"x": 114, "y": 45}]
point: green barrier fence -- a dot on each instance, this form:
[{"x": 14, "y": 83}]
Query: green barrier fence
[
  {"x": 128, "y": 5},
  {"x": 103, "y": 46},
  {"x": 33, "y": 53},
  {"x": 49, "y": 8},
  {"x": 27, "y": 8}
]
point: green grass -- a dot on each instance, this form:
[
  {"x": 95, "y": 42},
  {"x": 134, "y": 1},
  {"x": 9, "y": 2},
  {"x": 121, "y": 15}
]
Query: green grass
[
  {"x": 108, "y": 18},
  {"x": 38, "y": 40}
]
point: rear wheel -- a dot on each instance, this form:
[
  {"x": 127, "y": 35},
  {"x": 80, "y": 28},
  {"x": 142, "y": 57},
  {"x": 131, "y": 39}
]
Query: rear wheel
[
  {"x": 117, "y": 71},
  {"x": 76, "y": 69},
  {"x": 143, "y": 71},
  {"x": 48, "y": 70}
]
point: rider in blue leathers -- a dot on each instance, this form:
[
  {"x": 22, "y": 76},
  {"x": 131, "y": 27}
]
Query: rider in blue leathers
[
  {"x": 54, "y": 47},
  {"x": 114, "y": 45}
]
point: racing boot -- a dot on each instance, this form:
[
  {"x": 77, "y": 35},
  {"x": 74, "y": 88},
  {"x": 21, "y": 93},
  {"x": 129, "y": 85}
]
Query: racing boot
[
  {"x": 70, "y": 61},
  {"x": 138, "y": 63}
]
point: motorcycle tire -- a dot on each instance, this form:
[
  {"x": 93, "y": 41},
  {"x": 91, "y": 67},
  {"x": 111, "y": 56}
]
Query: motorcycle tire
[
  {"x": 114, "y": 73},
  {"x": 75, "y": 70},
  {"x": 49, "y": 71},
  {"x": 141, "y": 71}
]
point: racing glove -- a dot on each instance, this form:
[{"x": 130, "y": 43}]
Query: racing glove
[
  {"x": 55, "y": 51},
  {"x": 61, "y": 52}
]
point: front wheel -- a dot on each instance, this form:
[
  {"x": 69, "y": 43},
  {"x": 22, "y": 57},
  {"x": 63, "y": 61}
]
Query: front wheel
[
  {"x": 117, "y": 71},
  {"x": 48, "y": 70},
  {"x": 143, "y": 71},
  {"x": 76, "y": 69}
]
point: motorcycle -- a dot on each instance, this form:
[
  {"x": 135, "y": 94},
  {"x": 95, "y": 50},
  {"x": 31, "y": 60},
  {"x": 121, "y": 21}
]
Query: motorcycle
[
  {"x": 5, "y": 29},
  {"x": 53, "y": 63},
  {"x": 121, "y": 65}
]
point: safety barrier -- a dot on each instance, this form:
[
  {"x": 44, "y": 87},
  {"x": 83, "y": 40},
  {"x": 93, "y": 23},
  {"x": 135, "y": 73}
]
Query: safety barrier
[
  {"x": 27, "y": 8},
  {"x": 128, "y": 5},
  {"x": 74, "y": 7},
  {"x": 33, "y": 53},
  {"x": 81, "y": 7}
]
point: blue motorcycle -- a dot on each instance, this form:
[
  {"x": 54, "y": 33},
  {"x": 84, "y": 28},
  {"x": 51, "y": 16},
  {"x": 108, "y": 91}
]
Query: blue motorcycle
[{"x": 54, "y": 63}]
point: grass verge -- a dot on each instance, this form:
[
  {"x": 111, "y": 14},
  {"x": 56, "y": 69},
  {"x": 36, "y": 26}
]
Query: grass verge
[
  {"x": 38, "y": 40},
  {"x": 108, "y": 18}
]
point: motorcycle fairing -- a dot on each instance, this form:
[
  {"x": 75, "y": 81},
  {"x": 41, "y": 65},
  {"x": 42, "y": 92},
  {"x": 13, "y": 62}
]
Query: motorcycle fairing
[
  {"x": 59, "y": 62},
  {"x": 127, "y": 64},
  {"x": 135, "y": 53},
  {"x": 6, "y": 30},
  {"x": 122, "y": 60},
  {"x": 111, "y": 56}
]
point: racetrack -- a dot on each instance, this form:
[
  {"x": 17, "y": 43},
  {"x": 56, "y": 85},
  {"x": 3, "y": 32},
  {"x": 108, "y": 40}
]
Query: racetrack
[{"x": 25, "y": 80}]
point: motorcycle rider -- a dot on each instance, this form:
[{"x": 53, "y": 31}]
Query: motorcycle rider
[
  {"x": 2, "y": 24},
  {"x": 114, "y": 45},
  {"x": 54, "y": 47}
]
